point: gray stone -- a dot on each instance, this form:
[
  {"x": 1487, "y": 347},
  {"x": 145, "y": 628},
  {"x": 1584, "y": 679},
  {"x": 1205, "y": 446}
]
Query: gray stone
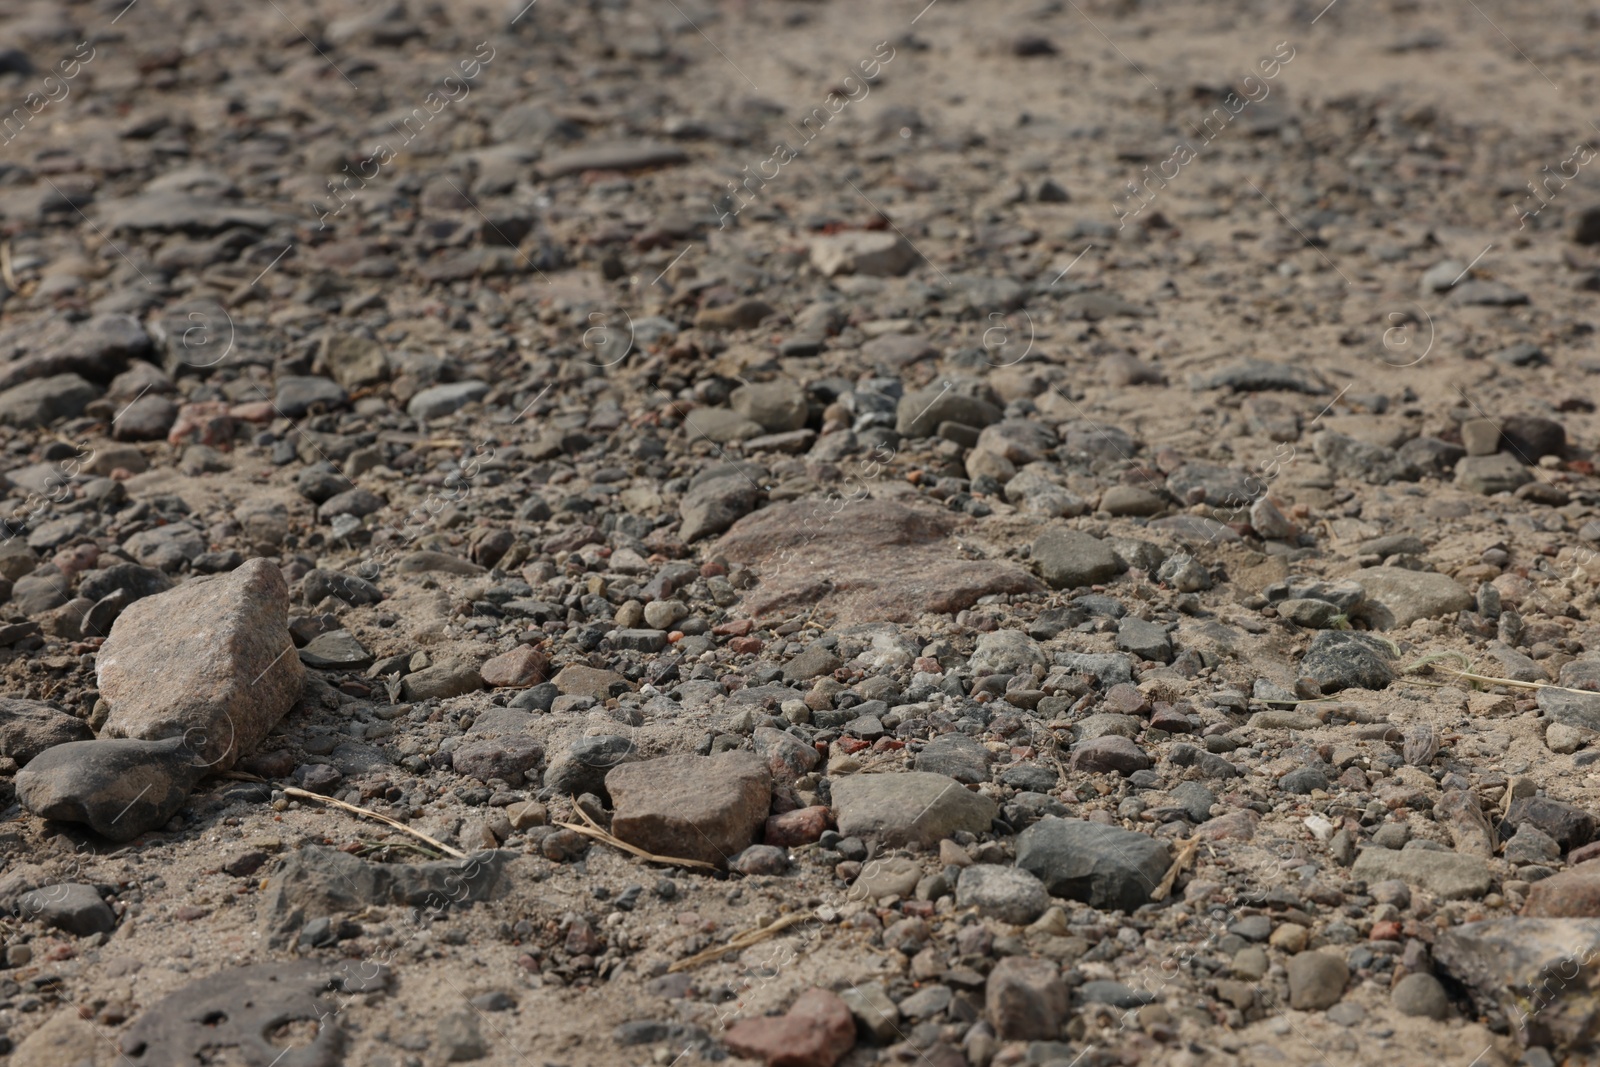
[
  {"x": 45, "y": 400},
  {"x": 1316, "y": 980},
  {"x": 1312, "y": 614},
  {"x": 294, "y": 395},
  {"x": 1343, "y": 659},
  {"x": 1104, "y": 866},
  {"x": 1112, "y": 754},
  {"x": 1420, "y": 994},
  {"x": 778, "y": 406},
  {"x": 1069, "y": 558},
  {"x": 1528, "y": 971},
  {"x": 1147, "y": 640},
  {"x": 508, "y": 759},
  {"x": 438, "y": 401},
  {"x": 441, "y": 682},
  {"x": 816, "y": 660},
  {"x": 876, "y": 1016},
  {"x": 119, "y": 788},
  {"x": 918, "y": 414},
  {"x": 1446, "y": 875},
  {"x": 613, "y": 155},
  {"x": 1580, "y": 710},
  {"x": 1302, "y": 781},
  {"x": 335, "y": 650},
  {"x": 1499, "y": 473},
  {"x": 911, "y": 806},
  {"x": 1397, "y": 597},
  {"x": 716, "y": 504},
  {"x": 957, "y": 756},
  {"x": 71, "y": 906},
  {"x": 1009, "y": 894}
]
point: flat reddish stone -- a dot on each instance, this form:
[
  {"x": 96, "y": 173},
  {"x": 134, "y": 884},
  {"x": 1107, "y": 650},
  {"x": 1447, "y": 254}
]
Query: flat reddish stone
[
  {"x": 817, "y": 1032},
  {"x": 521, "y": 667},
  {"x": 795, "y": 828},
  {"x": 693, "y": 807},
  {"x": 745, "y": 644}
]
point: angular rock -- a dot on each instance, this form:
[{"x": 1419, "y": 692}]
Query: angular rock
[
  {"x": 1104, "y": 866},
  {"x": 1499, "y": 473},
  {"x": 817, "y": 1031},
  {"x": 1110, "y": 755},
  {"x": 1026, "y": 1000},
  {"x": 957, "y": 756},
  {"x": 691, "y": 807},
  {"x": 714, "y": 505},
  {"x": 1570, "y": 894},
  {"x": 912, "y": 806},
  {"x": 1536, "y": 974},
  {"x": 441, "y": 682},
  {"x": 919, "y": 414},
  {"x": 1147, "y": 640},
  {"x": 336, "y": 650},
  {"x": 210, "y": 661}
]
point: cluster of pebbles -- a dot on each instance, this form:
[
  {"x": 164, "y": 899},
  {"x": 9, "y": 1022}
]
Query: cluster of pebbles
[{"x": 490, "y": 573}]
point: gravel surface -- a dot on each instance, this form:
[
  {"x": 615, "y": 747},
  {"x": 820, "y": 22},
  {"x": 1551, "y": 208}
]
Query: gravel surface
[{"x": 798, "y": 533}]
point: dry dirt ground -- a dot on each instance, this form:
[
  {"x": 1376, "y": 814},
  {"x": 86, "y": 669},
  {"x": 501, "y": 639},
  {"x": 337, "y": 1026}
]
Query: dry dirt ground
[{"x": 256, "y": 184}]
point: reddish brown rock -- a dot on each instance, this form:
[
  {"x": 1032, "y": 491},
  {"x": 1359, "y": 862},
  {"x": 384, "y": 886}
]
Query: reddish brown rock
[
  {"x": 206, "y": 422},
  {"x": 1572, "y": 894},
  {"x": 869, "y": 561},
  {"x": 210, "y": 661},
  {"x": 795, "y": 828},
  {"x": 817, "y": 1032},
  {"x": 1026, "y": 999},
  {"x": 1234, "y": 826},
  {"x": 521, "y": 667},
  {"x": 691, "y": 807},
  {"x": 1110, "y": 754}
]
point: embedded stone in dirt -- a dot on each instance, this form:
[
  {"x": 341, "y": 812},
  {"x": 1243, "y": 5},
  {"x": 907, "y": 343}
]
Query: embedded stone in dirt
[
  {"x": 1104, "y": 866},
  {"x": 1571, "y": 894},
  {"x": 210, "y": 662},
  {"x": 872, "y": 252},
  {"x": 691, "y": 807},
  {"x": 29, "y": 727},
  {"x": 911, "y": 806},
  {"x": 1006, "y": 893},
  {"x": 240, "y": 1008},
  {"x": 1316, "y": 980},
  {"x": 120, "y": 788},
  {"x": 817, "y": 1032},
  {"x": 1344, "y": 659},
  {"x": 871, "y": 561},
  {"x": 1396, "y": 597},
  {"x": 1446, "y": 875}
]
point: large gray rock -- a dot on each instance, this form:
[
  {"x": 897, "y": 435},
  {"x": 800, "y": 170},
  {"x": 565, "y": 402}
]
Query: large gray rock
[
  {"x": 118, "y": 788},
  {"x": 707, "y": 808},
  {"x": 1104, "y": 866},
  {"x": 1535, "y": 974},
  {"x": 29, "y": 727},
  {"x": 72, "y": 906},
  {"x": 911, "y": 806},
  {"x": 1070, "y": 558},
  {"x": 1446, "y": 875},
  {"x": 919, "y": 414},
  {"x": 1347, "y": 659},
  {"x": 44, "y": 400},
  {"x": 1396, "y": 597},
  {"x": 210, "y": 662}
]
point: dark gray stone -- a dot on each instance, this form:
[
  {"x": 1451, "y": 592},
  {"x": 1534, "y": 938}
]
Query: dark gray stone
[{"x": 1103, "y": 866}]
